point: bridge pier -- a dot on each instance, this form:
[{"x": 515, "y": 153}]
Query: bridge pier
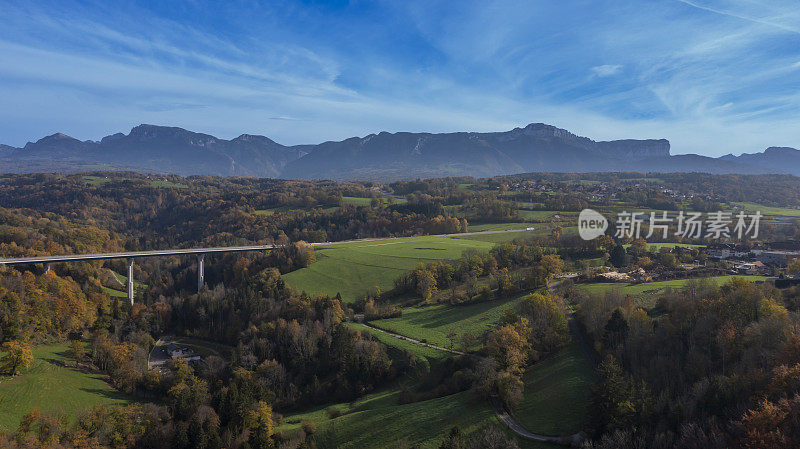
[
  {"x": 47, "y": 267},
  {"x": 201, "y": 279},
  {"x": 130, "y": 280}
]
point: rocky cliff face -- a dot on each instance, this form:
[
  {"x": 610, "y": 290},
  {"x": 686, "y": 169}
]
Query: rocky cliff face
[
  {"x": 154, "y": 149},
  {"x": 773, "y": 159},
  {"x": 635, "y": 149},
  {"x": 537, "y": 147}
]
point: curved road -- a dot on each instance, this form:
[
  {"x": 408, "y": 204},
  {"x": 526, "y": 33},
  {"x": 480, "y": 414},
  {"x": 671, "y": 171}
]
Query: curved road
[
  {"x": 499, "y": 409},
  {"x": 505, "y": 417}
]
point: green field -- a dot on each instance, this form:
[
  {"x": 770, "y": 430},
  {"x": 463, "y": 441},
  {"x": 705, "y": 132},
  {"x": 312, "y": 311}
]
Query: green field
[
  {"x": 96, "y": 180},
  {"x": 769, "y": 210},
  {"x": 498, "y": 226},
  {"x": 377, "y": 421},
  {"x": 162, "y": 183},
  {"x": 531, "y": 206},
  {"x": 433, "y": 323},
  {"x": 556, "y": 396},
  {"x": 360, "y": 201},
  {"x": 115, "y": 293},
  {"x": 541, "y": 214},
  {"x": 501, "y": 237},
  {"x": 158, "y": 183},
  {"x": 353, "y": 268},
  {"x": 402, "y": 345},
  {"x": 52, "y": 386},
  {"x": 356, "y": 201},
  {"x": 655, "y": 288}
]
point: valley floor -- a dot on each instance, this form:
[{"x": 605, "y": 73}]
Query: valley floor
[{"x": 53, "y": 384}]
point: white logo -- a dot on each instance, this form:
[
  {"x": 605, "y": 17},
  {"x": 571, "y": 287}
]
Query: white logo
[{"x": 591, "y": 224}]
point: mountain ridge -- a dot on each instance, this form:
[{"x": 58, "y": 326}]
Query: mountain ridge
[{"x": 537, "y": 147}]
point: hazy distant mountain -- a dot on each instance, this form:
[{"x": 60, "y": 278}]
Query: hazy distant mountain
[
  {"x": 535, "y": 148},
  {"x": 773, "y": 159},
  {"x": 156, "y": 149}
]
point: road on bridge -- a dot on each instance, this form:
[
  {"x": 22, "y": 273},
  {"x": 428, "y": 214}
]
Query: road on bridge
[
  {"x": 199, "y": 252},
  {"x": 202, "y": 251}
]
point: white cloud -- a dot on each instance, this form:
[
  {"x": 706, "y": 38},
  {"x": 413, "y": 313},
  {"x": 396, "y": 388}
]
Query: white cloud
[
  {"x": 606, "y": 70},
  {"x": 711, "y": 83}
]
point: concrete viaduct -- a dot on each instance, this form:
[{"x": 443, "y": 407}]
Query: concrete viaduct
[
  {"x": 199, "y": 252},
  {"x": 133, "y": 255}
]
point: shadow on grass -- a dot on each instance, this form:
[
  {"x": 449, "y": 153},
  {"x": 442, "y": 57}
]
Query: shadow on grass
[
  {"x": 451, "y": 314},
  {"x": 109, "y": 394},
  {"x": 56, "y": 362}
]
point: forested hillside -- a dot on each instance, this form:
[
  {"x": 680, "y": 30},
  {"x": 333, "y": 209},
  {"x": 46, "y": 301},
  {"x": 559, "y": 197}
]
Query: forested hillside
[{"x": 484, "y": 323}]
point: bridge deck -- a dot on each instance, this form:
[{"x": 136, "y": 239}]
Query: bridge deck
[
  {"x": 199, "y": 251},
  {"x": 131, "y": 254}
]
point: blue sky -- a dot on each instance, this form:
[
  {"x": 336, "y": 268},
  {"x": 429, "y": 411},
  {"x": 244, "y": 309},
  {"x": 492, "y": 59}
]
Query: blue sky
[{"x": 713, "y": 76}]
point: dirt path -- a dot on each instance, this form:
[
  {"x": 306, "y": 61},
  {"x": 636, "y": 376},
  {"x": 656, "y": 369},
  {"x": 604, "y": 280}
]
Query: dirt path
[
  {"x": 503, "y": 415},
  {"x": 574, "y": 440},
  {"x": 403, "y": 337}
]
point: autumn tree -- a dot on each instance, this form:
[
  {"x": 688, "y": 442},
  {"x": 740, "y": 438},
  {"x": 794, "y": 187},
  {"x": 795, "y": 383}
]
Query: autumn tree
[
  {"x": 508, "y": 347},
  {"x": 794, "y": 267},
  {"x": 261, "y": 426},
  {"x": 547, "y": 320},
  {"x": 76, "y": 350},
  {"x": 17, "y": 356}
]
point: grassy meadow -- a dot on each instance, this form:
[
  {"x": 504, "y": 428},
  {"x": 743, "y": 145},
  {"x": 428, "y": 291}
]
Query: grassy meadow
[
  {"x": 377, "y": 420},
  {"x": 53, "y": 384},
  {"x": 556, "y": 395},
  {"x": 498, "y": 238},
  {"x": 652, "y": 289},
  {"x": 769, "y": 210},
  {"x": 402, "y": 345},
  {"x": 433, "y": 323},
  {"x": 353, "y": 268},
  {"x": 94, "y": 180},
  {"x": 499, "y": 226}
]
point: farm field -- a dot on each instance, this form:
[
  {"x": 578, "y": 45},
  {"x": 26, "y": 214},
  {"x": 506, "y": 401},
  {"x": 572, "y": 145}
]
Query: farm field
[
  {"x": 769, "y": 210},
  {"x": 115, "y": 293},
  {"x": 556, "y": 394},
  {"x": 433, "y": 323},
  {"x": 402, "y": 345},
  {"x": 52, "y": 386},
  {"x": 353, "y": 268},
  {"x": 356, "y": 201},
  {"x": 157, "y": 183},
  {"x": 540, "y": 214},
  {"x": 500, "y": 238},
  {"x": 498, "y": 226},
  {"x": 361, "y": 201},
  {"x": 655, "y": 288},
  {"x": 376, "y": 420}
]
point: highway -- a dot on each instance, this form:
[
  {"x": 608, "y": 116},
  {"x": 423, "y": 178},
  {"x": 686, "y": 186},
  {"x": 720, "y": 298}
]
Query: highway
[
  {"x": 199, "y": 252},
  {"x": 202, "y": 251}
]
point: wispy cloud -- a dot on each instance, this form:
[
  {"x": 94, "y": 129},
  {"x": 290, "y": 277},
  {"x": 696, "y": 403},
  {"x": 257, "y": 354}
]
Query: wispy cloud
[
  {"x": 606, "y": 70},
  {"x": 772, "y": 21},
  {"x": 712, "y": 76}
]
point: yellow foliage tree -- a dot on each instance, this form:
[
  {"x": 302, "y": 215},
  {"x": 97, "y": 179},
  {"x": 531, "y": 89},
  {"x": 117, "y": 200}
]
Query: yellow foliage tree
[{"x": 17, "y": 356}]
